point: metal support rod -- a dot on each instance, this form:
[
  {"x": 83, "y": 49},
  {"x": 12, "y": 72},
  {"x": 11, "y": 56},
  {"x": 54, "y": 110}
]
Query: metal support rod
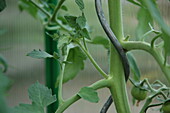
[
  {"x": 52, "y": 69},
  {"x": 52, "y": 66}
]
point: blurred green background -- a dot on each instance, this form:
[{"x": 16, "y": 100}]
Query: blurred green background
[{"x": 23, "y": 33}]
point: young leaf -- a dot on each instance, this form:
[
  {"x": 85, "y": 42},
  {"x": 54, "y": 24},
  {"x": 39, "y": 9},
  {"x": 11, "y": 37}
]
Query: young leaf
[
  {"x": 99, "y": 40},
  {"x": 133, "y": 66},
  {"x": 143, "y": 22},
  {"x": 62, "y": 41},
  {"x": 2, "y": 5},
  {"x": 71, "y": 21},
  {"x": 41, "y": 95},
  {"x": 85, "y": 33},
  {"x": 28, "y": 108},
  {"x": 30, "y": 8},
  {"x": 39, "y": 54},
  {"x": 76, "y": 57},
  {"x": 3, "y": 62},
  {"x": 80, "y": 3},
  {"x": 81, "y": 21},
  {"x": 88, "y": 94}
]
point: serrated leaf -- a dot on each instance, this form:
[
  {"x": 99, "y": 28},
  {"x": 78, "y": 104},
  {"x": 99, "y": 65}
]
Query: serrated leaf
[
  {"x": 62, "y": 41},
  {"x": 2, "y": 5},
  {"x": 85, "y": 33},
  {"x": 4, "y": 63},
  {"x": 143, "y": 22},
  {"x": 76, "y": 58},
  {"x": 27, "y": 6},
  {"x": 88, "y": 94},
  {"x": 62, "y": 44},
  {"x": 80, "y": 3},
  {"x": 81, "y": 21},
  {"x": 71, "y": 21},
  {"x": 41, "y": 95},
  {"x": 99, "y": 40},
  {"x": 133, "y": 66},
  {"x": 28, "y": 108},
  {"x": 39, "y": 54}
]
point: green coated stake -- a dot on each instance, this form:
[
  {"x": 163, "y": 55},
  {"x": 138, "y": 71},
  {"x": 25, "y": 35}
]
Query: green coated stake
[
  {"x": 52, "y": 66},
  {"x": 52, "y": 69}
]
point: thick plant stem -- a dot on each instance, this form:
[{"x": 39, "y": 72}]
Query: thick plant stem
[{"x": 118, "y": 88}]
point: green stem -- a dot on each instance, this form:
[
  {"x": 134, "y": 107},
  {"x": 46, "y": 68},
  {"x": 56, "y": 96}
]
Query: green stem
[
  {"x": 148, "y": 84},
  {"x": 153, "y": 105},
  {"x": 97, "y": 85},
  {"x": 118, "y": 88},
  {"x": 147, "y": 33},
  {"x": 44, "y": 11},
  {"x": 60, "y": 88},
  {"x": 93, "y": 61},
  {"x": 57, "y": 9},
  {"x": 149, "y": 100},
  {"x": 154, "y": 39},
  {"x": 84, "y": 42},
  {"x": 137, "y": 45}
]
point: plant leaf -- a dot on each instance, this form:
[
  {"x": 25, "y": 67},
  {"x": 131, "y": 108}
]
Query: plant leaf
[
  {"x": 41, "y": 95},
  {"x": 81, "y": 21},
  {"x": 63, "y": 40},
  {"x": 39, "y": 54},
  {"x": 88, "y": 94},
  {"x": 71, "y": 21},
  {"x": 99, "y": 40},
  {"x": 143, "y": 22},
  {"x": 85, "y": 33},
  {"x": 4, "y": 63},
  {"x": 2, "y": 5},
  {"x": 133, "y": 66},
  {"x": 27, "y": 6},
  {"x": 80, "y": 3},
  {"x": 76, "y": 58},
  {"x": 28, "y": 108}
]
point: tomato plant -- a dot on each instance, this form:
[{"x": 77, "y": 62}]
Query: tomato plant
[{"x": 72, "y": 34}]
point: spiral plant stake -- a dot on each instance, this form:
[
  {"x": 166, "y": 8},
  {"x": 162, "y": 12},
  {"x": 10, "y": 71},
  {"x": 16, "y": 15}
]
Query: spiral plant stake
[{"x": 115, "y": 43}]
